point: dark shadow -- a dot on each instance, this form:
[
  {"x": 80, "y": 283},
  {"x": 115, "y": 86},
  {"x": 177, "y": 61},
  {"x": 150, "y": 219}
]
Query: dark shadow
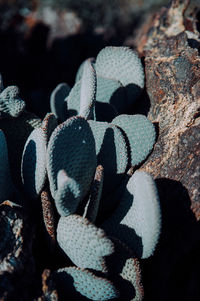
[
  {"x": 141, "y": 105},
  {"x": 104, "y": 111},
  {"x": 166, "y": 276}
]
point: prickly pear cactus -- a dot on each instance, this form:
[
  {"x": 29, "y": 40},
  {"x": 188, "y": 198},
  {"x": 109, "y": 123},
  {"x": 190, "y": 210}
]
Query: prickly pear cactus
[
  {"x": 33, "y": 170},
  {"x": 72, "y": 148},
  {"x": 57, "y": 101},
  {"x": 140, "y": 134},
  {"x": 112, "y": 153},
  {"x": 34, "y": 163},
  {"x": 124, "y": 65},
  {"x": 11, "y": 105},
  {"x": 88, "y": 91},
  {"x": 84, "y": 283},
  {"x": 6, "y": 184},
  {"x": 79, "y": 72},
  {"x": 84, "y": 243},
  {"x": 137, "y": 219},
  {"x": 68, "y": 194}
]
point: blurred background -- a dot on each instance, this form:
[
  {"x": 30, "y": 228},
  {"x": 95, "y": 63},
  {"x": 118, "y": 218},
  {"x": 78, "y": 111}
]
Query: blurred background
[{"x": 42, "y": 43}]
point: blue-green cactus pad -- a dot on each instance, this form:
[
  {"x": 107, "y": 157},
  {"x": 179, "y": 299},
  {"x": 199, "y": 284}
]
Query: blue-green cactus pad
[
  {"x": 57, "y": 101},
  {"x": 141, "y": 135},
  {"x": 112, "y": 153},
  {"x": 48, "y": 125},
  {"x": 79, "y": 72},
  {"x": 72, "y": 148},
  {"x": 88, "y": 91},
  {"x": 73, "y": 100},
  {"x": 75, "y": 283},
  {"x": 34, "y": 163},
  {"x": 6, "y": 184},
  {"x": 137, "y": 219},
  {"x": 84, "y": 243},
  {"x": 11, "y": 105},
  {"x": 68, "y": 194}
]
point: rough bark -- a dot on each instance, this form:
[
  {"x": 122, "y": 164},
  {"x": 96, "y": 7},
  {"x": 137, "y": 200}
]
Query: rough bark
[{"x": 172, "y": 67}]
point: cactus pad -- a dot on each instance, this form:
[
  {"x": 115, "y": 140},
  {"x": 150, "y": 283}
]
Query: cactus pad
[
  {"x": 88, "y": 91},
  {"x": 79, "y": 72},
  {"x": 140, "y": 133},
  {"x": 6, "y": 185},
  {"x": 72, "y": 148},
  {"x": 57, "y": 101},
  {"x": 84, "y": 283},
  {"x": 68, "y": 194},
  {"x": 48, "y": 125},
  {"x": 11, "y": 105},
  {"x": 73, "y": 100},
  {"x": 34, "y": 163},
  {"x": 137, "y": 219},
  {"x": 84, "y": 243}
]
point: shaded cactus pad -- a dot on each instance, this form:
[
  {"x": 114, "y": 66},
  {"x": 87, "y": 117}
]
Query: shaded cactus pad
[
  {"x": 11, "y": 105},
  {"x": 84, "y": 243},
  {"x": 75, "y": 283},
  {"x": 57, "y": 101},
  {"x": 72, "y": 148}
]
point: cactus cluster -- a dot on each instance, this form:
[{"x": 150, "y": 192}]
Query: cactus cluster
[{"x": 76, "y": 163}]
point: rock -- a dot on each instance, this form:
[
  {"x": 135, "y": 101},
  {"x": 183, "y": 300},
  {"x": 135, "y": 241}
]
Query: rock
[
  {"x": 16, "y": 261},
  {"x": 172, "y": 67}
]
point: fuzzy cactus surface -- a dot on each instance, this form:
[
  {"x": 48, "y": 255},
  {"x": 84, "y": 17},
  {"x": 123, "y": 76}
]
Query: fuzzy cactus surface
[
  {"x": 57, "y": 101},
  {"x": 140, "y": 133},
  {"x": 11, "y": 105},
  {"x": 72, "y": 148},
  {"x": 84, "y": 243},
  {"x": 75, "y": 283},
  {"x": 137, "y": 219}
]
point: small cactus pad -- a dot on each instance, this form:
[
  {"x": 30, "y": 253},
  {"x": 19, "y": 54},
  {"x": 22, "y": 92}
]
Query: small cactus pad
[
  {"x": 10, "y": 103},
  {"x": 75, "y": 283},
  {"x": 124, "y": 65},
  {"x": 92, "y": 205},
  {"x": 34, "y": 163},
  {"x": 79, "y": 72},
  {"x": 68, "y": 194},
  {"x": 84, "y": 243},
  {"x": 57, "y": 101},
  {"x": 48, "y": 125},
  {"x": 140, "y": 133},
  {"x": 120, "y": 63},
  {"x": 72, "y": 148},
  {"x": 88, "y": 91},
  {"x": 137, "y": 219},
  {"x": 73, "y": 100},
  {"x": 6, "y": 185}
]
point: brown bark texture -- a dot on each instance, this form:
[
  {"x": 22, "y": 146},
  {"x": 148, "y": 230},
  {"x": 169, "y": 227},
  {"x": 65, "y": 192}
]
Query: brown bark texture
[{"x": 171, "y": 50}]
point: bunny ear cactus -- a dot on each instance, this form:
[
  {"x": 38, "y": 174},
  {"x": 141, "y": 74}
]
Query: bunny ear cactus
[
  {"x": 84, "y": 243},
  {"x": 34, "y": 163},
  {"x": 111, "y": 152},
  {"x": 88, "y": 91},
  {"x": 140, "y": 133},
  {"x": 73, "y": 100},
  {"x": 57, "y": 101},
  {"x": 79, "y": 73},
  {"x": 92, "y": 205},
  {"x": 72, "y": 148},
  {"x": 84, "y": 283},
  {"x": 122, "y": 64},
  {"x": 11, "y": 105},
  {"x": 6, "y": 184},
  {"x": 68, "y": 194},
  {"x": 137, "y": 219},
  {"x": 33, "y": 168}
]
